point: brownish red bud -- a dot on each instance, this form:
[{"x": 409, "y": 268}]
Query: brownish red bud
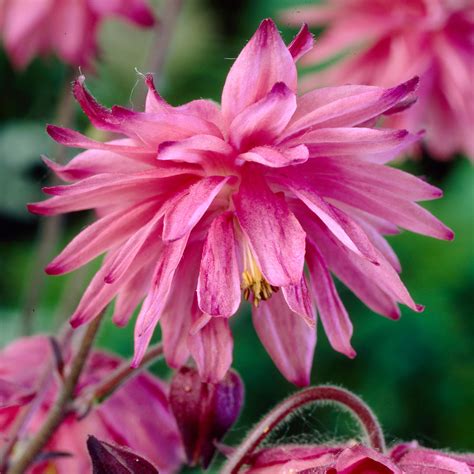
[
  {"x": 107, "y": 458},
  {"x": 204, "y": 411}
]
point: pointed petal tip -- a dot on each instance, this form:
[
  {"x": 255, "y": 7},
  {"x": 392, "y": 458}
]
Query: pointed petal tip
[
  {"x": 76, "y": 321},
  {"x": 449, "y": 234},
  {"x": 38, "y": 208},
  {"x": 54, "y": 269},
  {"x": 419, "y": 308}
]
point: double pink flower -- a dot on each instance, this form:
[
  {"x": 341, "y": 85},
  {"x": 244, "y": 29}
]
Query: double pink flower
[
  {"x": 65, "y": 27},
  {"x": 263, "y": 196},
  {"x": 137, "y": 415},
  {"x": 392, "y": 40}
]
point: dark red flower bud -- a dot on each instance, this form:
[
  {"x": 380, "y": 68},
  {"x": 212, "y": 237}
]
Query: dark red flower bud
[
  {"x": 107, "y": 458},
  {"x": 204, "y": 411}
]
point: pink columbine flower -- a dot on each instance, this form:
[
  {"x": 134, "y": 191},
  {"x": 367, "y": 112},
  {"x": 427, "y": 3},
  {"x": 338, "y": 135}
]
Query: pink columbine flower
[
  {"x": 199, "y": 204},
  {"x": 66, "y": 27},
  {"x": 394, "y": 40},
  {"x": 408, "y": 458},
  {"x": 137, "y": 415}
]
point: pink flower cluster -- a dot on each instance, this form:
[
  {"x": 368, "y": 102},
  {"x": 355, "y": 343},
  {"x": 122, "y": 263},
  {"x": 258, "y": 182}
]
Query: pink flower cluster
[
  {"x": 407, "y": 458},
  {"x": 66, "y": 27},
  {"x": 392, "y": 40},
  {"x": 200, "y": 204},
  {"x": 124, "y": 418}
]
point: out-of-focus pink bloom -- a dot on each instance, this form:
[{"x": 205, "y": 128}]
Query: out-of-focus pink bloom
[
  {"x": 358, "y": 459},
  {"x": 394, "y": 40},
  {"x": 137, "y": 415},
  {"x": 66, "y": 27},
  {"x": 199, "y": 203}
]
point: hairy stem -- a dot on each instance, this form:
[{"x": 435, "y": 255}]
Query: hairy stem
[
  {"x": 59, "y": 409},
  {"x": 346, "y": 399},
  {"x": 49, "y": 228}
]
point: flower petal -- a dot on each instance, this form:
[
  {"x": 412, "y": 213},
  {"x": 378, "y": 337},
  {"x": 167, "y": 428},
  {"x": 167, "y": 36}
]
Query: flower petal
[
  {"x": 275, "y": 236},
  {"x": 276, "y": 157},
  {"x": 334, "y": 317},
  {"x": 181, "y": 309},
  {"x": 191, "y": 206},
  {"x": 196, "y": 149},
  {"x": 262, "y": 122},
  {"x": 337, "y": 222},
  {"x": 150, "y": 313},
  {"x": 218, "y": 286},
  {"x": 288, "y": 339},
  {"x": 299, "y": 301},
  {"x": 264, "y": 61},
  {"x": 100, "y": 236},
  {"x": 211, "y": 348},
  {"x": 302, "y": 43},
  {"x": 374, "y": 145},
  {"x": 346, "y": 106}
]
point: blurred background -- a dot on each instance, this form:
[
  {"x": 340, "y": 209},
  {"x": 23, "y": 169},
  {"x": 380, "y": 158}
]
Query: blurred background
[{"x": 417, "y": 373}]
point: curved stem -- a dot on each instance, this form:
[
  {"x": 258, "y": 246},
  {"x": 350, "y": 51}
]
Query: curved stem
[
  {"x": 346, "y": 399},
  {"x": 58, "y": 411}
]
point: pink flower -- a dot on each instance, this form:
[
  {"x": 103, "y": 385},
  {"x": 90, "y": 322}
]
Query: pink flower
[
  {"x": 358, "y": 459},
  {"x": 199, "y": 203},
  {"x": 137, "y": 415},
  {"x": 394, "y": 40},
  {"x": 67, "y": 27}
]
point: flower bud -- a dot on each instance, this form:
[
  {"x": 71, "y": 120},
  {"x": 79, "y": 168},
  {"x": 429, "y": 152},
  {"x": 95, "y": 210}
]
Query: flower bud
[
  {"x": 107, "y": 458},
  {"x": 204, "y": 411}
]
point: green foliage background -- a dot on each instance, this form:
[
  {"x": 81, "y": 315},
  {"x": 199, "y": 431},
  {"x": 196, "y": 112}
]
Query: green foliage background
[{"x": 417, "y": 373}]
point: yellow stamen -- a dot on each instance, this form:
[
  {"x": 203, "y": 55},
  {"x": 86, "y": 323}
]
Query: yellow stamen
[{"x": 253, "y": 282}]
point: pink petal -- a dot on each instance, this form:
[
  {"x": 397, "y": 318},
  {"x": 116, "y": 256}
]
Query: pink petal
[
  {"x": 218, "y": 287},
  {"x": 373, "y": 145},
  {"x": 100, "y": 236},
  {"x": 276, "y": 157},
  {"x": 263, "y": 121},
  {"x": 150, "y": 313},
  {"x": 191, "y": 206},
  {"x": 136, "y": 10},
  {"x": 360, "y": 173},
  {"x": 107, "y": 189},
  {"x": 155, "y": 128},
  {"x": 382, "y": 276},
  {"x": 299, "y": 301},
  {"x": 334, "y": 317},
  {"x": 344, "y": 228},
  {"x": 288, "y": 339},
  {"x": 98, "y": 295},
  {"x": 101, "y": 117},
  {"x": 346, "y": 106},
  {"x": 196, "y": 149},
  {"x": 181, "y": 308},
  {"x": 264, "y": 61},
  {"x": 130, "y": 295},
  {"x": 74, "y": 139},
  {"x": 375, "y": 201},
  {"x": 118, "y": 266},
  {"x": 211, "y": 349},
  {"x": 302, "y": 43},
  {"x": 275, "y": 236}
]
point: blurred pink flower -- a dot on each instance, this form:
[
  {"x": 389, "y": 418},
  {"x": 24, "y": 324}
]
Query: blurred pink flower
[
  {"x": 67, "y": 27},
  {"x": 392, "y": 40},
  {"x": 137, "y": 415},
  {"x": 406, "y": 458},
  {"x": 200, "y": 203}
]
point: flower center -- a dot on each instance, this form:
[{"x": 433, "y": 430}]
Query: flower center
[{"x": 254, "y": 285}]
